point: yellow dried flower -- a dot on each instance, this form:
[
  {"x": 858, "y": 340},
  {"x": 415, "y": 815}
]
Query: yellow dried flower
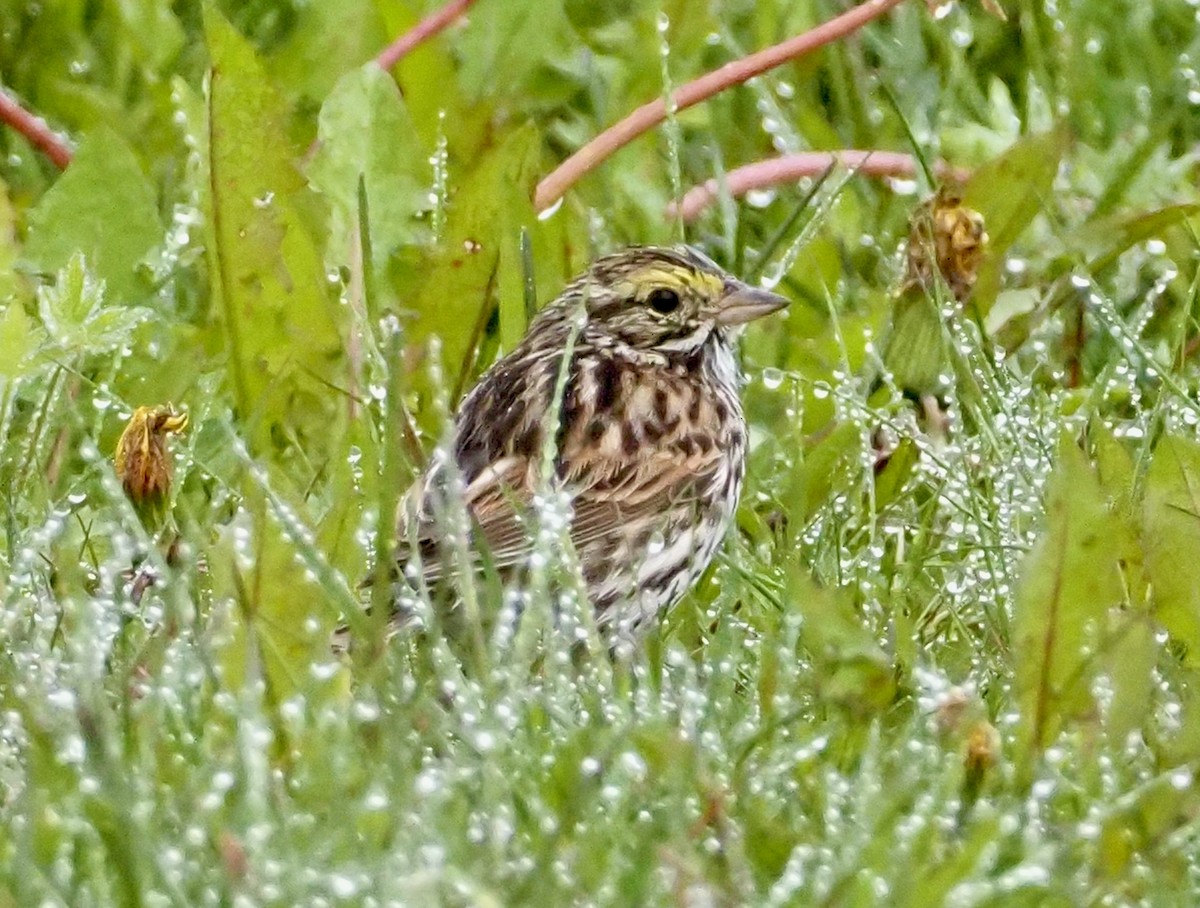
[
  {"x": 981, "y": 752},
  {"x": 141, "y": 458},
  {"x": 983, "y": 748},
  {"x": 955, "y": 237}
]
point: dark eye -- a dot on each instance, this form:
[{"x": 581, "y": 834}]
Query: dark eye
[{"x": 663, "y": 301}]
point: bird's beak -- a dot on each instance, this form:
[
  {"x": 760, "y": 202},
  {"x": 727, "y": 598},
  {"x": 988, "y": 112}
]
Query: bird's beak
[{"x": 744, "y": 303}]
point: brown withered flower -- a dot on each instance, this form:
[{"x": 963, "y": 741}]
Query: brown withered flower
[
  {"x": 953, "y": 236},
  {"x": 142, "y": 462}
]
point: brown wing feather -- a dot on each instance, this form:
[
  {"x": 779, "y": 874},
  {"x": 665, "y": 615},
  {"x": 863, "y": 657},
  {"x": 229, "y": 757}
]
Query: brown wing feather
[
  {"x": 622, "y": 494},
  {"x": 493, "y": 500},
  {"x": 609, "y": 493}
]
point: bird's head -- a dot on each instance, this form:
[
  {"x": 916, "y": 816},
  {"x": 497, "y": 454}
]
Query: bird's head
[{"x": 665, "y": 300}]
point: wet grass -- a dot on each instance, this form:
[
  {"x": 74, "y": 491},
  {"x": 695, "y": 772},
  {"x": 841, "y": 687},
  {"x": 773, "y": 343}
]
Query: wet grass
[{"x": 944, "y": 658}]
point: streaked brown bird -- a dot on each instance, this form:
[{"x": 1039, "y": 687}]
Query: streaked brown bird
[{"x": 649, "y": 439}]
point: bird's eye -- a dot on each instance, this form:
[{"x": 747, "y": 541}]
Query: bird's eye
[{"x": 663, "y": 301}]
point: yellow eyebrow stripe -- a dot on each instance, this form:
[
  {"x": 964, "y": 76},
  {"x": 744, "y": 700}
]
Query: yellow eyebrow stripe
[{"x": 707, "y": 284}]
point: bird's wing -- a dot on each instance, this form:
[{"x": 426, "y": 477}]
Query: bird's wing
[
  {"x": 622, "y": 492},
  {"x": 609, "y": 495},
  {"x": 494, "y": 500}
]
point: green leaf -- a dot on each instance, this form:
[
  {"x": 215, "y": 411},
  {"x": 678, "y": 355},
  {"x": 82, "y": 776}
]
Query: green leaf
[
  {"x": 1009, "y": 191},
  {"x": 65, "y": 307},
  {"x": 1068, "y": 583},
  {"x": 1143, "y": 817},
  {"x": 891, "y": 480},
  {"x": 1171, "y": 539},
  {"x": 273, "y": 592},
  {"x": 1114, "y": 466},
  {"x": 1117, "y": 475},
  {"x": 436, "y": 104},
  {"x": 104, "y": 207},
  {"x": 481, "y": 251},
  {"x": 827, "y": 466},
  {"x": 328, "y": 41},
  {"x": 1130, "y": 668},
  {"x": 586, "y": 15},
  {"x": 914, "y": 351},
  {"x": 74, "y": 316},
  {"x": 16, "y": 341},
  {"x": 280, "y": 326},
  {"x": 506, "y": 43},
  {"x": 1107, "y": 239},
  {"x": 854, "y": 669},
  {"x": 153, "y": 30},
  {"x": 365, "y": 129}
]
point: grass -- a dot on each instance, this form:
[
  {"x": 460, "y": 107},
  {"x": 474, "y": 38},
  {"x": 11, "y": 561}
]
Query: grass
[{"x": 964, "y": 673}]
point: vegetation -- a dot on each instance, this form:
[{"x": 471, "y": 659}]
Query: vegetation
[{"x": 951, "y": 654}]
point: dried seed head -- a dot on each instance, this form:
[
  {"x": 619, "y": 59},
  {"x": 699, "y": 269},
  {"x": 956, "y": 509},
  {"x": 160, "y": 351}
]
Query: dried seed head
[
  {"x": 141, "y": 457},
  {"x": 945, "y": 233},
  {"x": 983, "y": 747}
]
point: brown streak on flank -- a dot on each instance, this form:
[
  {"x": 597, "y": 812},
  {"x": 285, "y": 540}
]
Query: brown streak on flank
[
  {"x": 526, "y": 444},
  {"x": 608, "y": 381},
  {"x": 629, "y": 439}
]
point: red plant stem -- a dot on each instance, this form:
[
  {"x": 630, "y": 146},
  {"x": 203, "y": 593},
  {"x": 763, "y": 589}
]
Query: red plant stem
[
  {"x": 553, "y": 187},
  {"x": 792, "y": 167},
  {"x": 422, "y": 31},
  {"x": 35, "y": 130}
]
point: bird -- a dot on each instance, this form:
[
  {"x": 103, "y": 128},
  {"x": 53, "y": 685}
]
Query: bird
[{"x": 643, "y": 432}]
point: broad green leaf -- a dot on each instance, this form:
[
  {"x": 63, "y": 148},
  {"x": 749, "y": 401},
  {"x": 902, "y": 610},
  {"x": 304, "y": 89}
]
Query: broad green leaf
[
  {"x": 586, "y": 15},
  {"x": 365, "y": 129},
  {"x": 1114, "y": 466},
  {"x": 914, "y": 350},
  {"x": 1106, "y": 240},
  {"x": 854, "y": 669},
  {"x": 287, "y": 596},
  {"x": 505, "y": 43},
  {"x": 1009, "y": 191},
  {"x": 1131, "y": 659},
  {"x": 1068, "y": 584},
  {"x": 16, "y": 340},
  {"x": 826, "y": 467},
  {"x": 104, "y": 207},
  {"x": 280, "y": 325},
  {"x": 328, "y": 41},
  {"x": 890, "y": 481},
  {"x": 1116, "y": 472},
  {"x": 437, "y": 105},
  {"x": 1171, "y": 540},
  {"x": 153, "y": 30},
  {"x": 481, "y": 253},
  {"x": 1143, "y": 817},
  {"x": 273, "y": 600},
  {"x": 1184, "y": 745}
]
